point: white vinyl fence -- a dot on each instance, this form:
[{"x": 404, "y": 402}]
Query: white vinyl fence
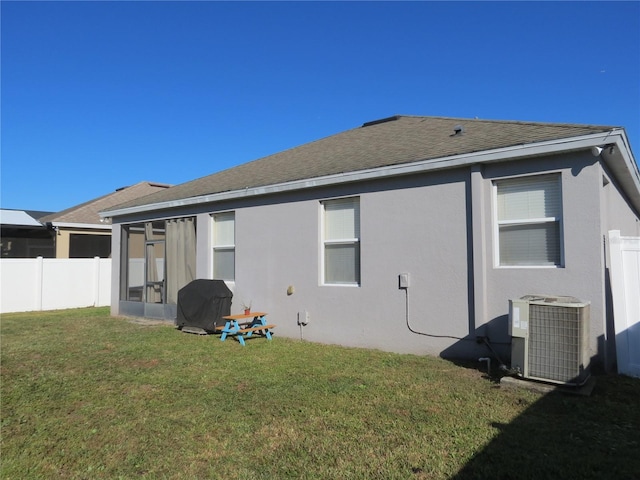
[
  {"x": 625, "y": 289},
  {"x": 30, "y": 284}
]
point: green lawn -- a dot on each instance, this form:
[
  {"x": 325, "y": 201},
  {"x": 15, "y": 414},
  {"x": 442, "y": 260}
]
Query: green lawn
[{"x": 88, "y": 396}]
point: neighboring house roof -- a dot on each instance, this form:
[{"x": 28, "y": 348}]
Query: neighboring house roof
[
  {"x": 21, "y": 218},
  {"x": 86, "y": 214},
  {"x": 382, "y": 144}
]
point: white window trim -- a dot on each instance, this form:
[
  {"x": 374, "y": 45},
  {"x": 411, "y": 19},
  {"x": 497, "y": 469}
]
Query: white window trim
[
  {"x": 213, "y": 247},
  {"x": 532, "y": 221},
  {"x": 339, "y": 241}
]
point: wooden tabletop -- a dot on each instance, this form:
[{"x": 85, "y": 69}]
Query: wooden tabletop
[{"x": 242, "y": 316}]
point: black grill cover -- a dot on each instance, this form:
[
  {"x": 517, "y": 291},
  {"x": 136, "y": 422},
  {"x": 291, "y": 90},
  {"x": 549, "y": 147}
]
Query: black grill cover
[{"x": 202, "y": 303}]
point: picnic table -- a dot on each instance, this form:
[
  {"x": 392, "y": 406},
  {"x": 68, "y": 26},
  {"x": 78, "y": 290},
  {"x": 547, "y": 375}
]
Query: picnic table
[{"x": 244, "y": 325}]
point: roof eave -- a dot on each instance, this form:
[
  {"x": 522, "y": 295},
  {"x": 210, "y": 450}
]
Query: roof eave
[
  {"x": 615, "y": 136},
  {"x": 622, "y": 164},
  {"x": 93, "y": 226}
]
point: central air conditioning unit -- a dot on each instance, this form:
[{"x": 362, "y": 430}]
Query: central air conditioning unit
[{"x": 550, "y": 338}]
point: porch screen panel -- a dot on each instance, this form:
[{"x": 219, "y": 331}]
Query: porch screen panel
[
  {"x": 135, "y": 267},
  {"x": 154, "y": 262}
]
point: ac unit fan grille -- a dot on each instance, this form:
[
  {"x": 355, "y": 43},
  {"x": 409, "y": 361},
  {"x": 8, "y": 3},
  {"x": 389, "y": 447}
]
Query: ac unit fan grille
[{"x": 555, "y": 334}]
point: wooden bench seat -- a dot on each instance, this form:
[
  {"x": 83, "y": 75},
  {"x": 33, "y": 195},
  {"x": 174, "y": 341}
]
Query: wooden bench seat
[
  {"x": 258, "y": 327},
  {"x": 246, "y": 328}
]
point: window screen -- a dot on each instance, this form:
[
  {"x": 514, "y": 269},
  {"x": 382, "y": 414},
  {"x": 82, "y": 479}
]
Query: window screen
[
  {"x": 529, "y": 213},
  {"x": 342, "y": 241},
  {"x": 224, "y": 249},
  {"x": 89, "y": 246}
]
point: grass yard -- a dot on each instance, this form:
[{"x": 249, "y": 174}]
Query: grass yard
[{"x": 88, "y": 396}]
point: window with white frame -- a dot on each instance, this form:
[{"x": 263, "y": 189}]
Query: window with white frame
[
  {"x": 341, "y": 241},
  {"x": 529, "y": 221},
  {"x": 224, "y": 246}
]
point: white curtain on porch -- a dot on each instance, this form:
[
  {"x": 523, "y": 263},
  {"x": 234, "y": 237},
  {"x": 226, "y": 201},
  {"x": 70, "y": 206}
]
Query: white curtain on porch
[{"x": 180, "y": 255}]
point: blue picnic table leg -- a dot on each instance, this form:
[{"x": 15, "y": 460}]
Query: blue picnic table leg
[
  {"x": 225, "y": 330},
  {"x": 236, "y": 330},
  {"x": 267, "y": 333},
  {"x": 229, "y": 330},
  {"x": 257, "y": 322}
]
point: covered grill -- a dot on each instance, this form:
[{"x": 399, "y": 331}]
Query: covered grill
[{"x": 202, "y": 304}]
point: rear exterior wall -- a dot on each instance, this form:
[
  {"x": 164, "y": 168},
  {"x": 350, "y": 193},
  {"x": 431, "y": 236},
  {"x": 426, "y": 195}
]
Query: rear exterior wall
[
  {"x": 414, "y": 225},
  {"x": 439, "y": 228},
  {"x": 582, "y": 272}
]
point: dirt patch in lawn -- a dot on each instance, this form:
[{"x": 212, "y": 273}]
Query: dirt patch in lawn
[{"x": 149, "y": 321}]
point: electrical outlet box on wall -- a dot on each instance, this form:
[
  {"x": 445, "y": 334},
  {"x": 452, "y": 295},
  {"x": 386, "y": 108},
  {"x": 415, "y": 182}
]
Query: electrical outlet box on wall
[{"x": 303, "y": 318}]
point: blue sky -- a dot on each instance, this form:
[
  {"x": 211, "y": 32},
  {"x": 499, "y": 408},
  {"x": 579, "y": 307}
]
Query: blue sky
[{"x": 99, "y": 95}]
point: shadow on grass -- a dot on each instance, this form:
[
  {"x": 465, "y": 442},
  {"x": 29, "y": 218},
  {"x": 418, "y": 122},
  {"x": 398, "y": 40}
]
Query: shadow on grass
[{"x": 566, "y": 436}]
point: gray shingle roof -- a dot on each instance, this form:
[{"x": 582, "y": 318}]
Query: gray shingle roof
[
  {"x": 393, "y": 141},
  {"x": 87, "y": 213}
]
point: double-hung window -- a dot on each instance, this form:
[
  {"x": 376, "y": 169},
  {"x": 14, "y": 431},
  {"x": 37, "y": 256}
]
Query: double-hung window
[
  {"x": 529, "y": 221},
  {"x": 224, "y": 248},
  {"x": 341, "y": 242}
]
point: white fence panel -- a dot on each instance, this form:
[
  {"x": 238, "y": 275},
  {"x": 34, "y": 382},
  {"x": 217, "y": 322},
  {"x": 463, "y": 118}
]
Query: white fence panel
[
  {"x": 20, "y": 285},
  {"x": 103, "y": 286},
  {"x": 29, "y": 284},
  {"x": 625, "y": 289}
]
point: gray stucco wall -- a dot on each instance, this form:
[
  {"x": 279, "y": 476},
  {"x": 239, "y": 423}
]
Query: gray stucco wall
[
  {"x": 582, "y": 274},
  {"x": 585, "y": 221},
  {"x": 616, "y": 214},
  {"x": 616, "y": 211},
  {"x": 438, "y": 227},
  {"x": 419, "y": 229}
]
